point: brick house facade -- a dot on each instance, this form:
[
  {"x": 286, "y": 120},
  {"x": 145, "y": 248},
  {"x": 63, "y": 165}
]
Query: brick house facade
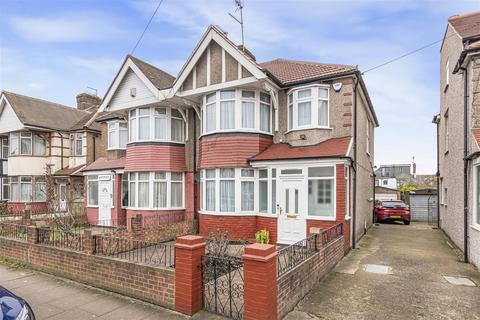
[
  {"x": 458, "y": 134},
  {"x": 239, "y": 144}
]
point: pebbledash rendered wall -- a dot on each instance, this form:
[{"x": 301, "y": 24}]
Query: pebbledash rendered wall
[
  {"x": 148, "y": 283},
  {"x": 296, "y": 283}
]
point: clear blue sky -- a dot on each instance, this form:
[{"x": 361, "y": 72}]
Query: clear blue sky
[{"x": 55, "y": 49}]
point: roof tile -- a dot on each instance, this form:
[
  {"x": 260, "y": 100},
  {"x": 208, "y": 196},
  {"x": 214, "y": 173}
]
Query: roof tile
[{"x": 467, "y": 25}]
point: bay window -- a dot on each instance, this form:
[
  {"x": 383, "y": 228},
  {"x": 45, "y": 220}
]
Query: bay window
[
  {"x": 156, "y": 124},
  {"x": 40, "y": 189},
  {"x": 5, "y": 189},
  {"x": 4, "y": 151},
  {"x": 155, "y": 190},
  {"x": 210, "y": 183},
  {"x": 124, "y": 190},
  {"x": 237, "y": 110},
  {"x": 76, "y": 144},
  {"x": 92, "y": 185},
  {"x": 247, "y": 190},
  {"x": 321, "y": 192},
  {"x": 117, "y": 135},
  {"x": 26, "y": 189},
  {"x": 309, "y": 108},
  {"x": 263, "y": 190},
  {"x": 24, "y": 143},
  {"x": 14, "y": 189}
]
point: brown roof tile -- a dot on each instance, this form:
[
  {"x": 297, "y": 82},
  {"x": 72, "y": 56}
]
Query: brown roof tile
[
  {"x": 467, "y": 25},
  {"x": 331, "y": 148},
  {"x": 476, "y": 135},
  {"x": 42, "y": 113},
  {"x": 159, "y": 78},
  {"x": 104, "y": 164},
  {"x": 69, "y": 171},
  {"x": 292, "y": 71}
]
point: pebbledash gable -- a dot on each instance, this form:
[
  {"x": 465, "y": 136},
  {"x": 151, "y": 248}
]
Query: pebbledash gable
[{"x": 239, "y": 145}]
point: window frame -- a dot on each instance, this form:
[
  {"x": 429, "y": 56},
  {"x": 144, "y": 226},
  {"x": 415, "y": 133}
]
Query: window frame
[
  {"x": 114, "y": 127},
  {"x": 293, "y": 101},
  {"x": 134, "y": 120},
  {"x": 151, "y": 180},
  {"x": 93, "y": 179},
  {"x": 4, "y": 153},
  {"x": 212, "y": 103},
  {"x": 20, "y": 136},
  {"x": 333, "y": 178}
]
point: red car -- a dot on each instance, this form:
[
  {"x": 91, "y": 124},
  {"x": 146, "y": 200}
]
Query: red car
[{"x": 392, "y": 210}]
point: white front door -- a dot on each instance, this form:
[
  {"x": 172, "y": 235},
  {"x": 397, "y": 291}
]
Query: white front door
[
  {"x": 105, "y": 198},
  {"x": 62, "y": 199},
  {"x": 292, "y": 223}
]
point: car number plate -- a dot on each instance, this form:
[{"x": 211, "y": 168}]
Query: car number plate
[{"x": 395, "y": 217}]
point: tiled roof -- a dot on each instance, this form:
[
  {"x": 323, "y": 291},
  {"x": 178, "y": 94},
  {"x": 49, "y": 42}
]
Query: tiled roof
[
  {"x": 45, "y": 114},
  {"x": 291, "y": 71},
  {"x": 69, "y": 171},
  {"x": 159, "y": 78},
  {"x": 107, "y": 115},
  {"x": 331, "y": 148},
  {"x": 476, "y": 135},
  {"x": 467, "y": 25},
  {"x": 104, "y": 164},
  {"x": 82, "y": 124}
]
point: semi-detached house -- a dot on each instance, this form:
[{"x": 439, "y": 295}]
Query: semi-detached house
[
  {"x": 282, "y": 145},
  {"x": 36, "y": 134}
]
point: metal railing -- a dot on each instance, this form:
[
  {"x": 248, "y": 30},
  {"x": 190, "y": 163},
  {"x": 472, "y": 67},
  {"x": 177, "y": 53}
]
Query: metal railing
[
  {"x": 13, "y": 231},
  {"x": 72, "y": 239},
  {"x": 152, "y": 253},
  {"x": 330, "y": 234},
  {"x": 291, "y": 256}
]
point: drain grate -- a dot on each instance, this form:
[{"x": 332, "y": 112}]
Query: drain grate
[
  {"x": 460, "y": 281},
  {"x": 377, "y": 268}
]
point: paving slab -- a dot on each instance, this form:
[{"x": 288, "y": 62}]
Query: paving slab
[{"x": 419, "y": 257}]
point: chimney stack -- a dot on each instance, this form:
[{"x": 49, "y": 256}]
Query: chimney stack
[{"x": 88, "y": 102}]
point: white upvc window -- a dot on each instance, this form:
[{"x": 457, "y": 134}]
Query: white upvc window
[
  {"x": 368, "y": 137},
  {"x": 26, "y": 143},
  {"x": 76, "y": 144},
  {"x": 237, "y": 110},
  {"x": 4, "y": 151},
  {"x": 5, "y": 192},
  {"x": 92, "y": 192},
  {"x": 321, "y": 191},
  {"x": 40, "y": 189},
  {"x": 447, "y": 73},
  {"x": 117, "y": 135},
  {"x": 476, "y": 203},
  {"x": 161, "y": 190},
  {"x": 238, "y": 190},
  {"x": 308, "y": 107},
  {"x": 156, "y": 124}
]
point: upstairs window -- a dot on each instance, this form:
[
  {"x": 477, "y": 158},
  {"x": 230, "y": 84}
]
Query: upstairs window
[
  {"x": 26, "y": 143},
  {"x": 4, "y": 151},
  {"x": 309, "y": 108},
  {"x": 237, "y": 110},
  {"x": 117, "y": 135},
  {"x": 156, "y": 124},
  {"x": 76, "y": 144}
]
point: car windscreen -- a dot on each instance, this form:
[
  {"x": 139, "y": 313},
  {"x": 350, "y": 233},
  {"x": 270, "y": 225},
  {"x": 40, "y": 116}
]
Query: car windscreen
[{"x": 393, "y": 204}]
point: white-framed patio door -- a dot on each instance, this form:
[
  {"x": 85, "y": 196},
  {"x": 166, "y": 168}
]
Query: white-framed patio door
[
  {"x": 62, "y": 197},
  {"x": 292, "y": 223},
  {"x": 105, "y": 200}
]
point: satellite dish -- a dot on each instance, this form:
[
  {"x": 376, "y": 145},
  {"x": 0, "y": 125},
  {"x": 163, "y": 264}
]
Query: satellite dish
[{"x": 337, "y": 86}]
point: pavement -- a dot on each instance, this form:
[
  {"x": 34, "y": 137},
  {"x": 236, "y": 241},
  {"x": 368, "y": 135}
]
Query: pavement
[
  {"x": 55, "y": 298},
  {"x": 397, "y": 272}
]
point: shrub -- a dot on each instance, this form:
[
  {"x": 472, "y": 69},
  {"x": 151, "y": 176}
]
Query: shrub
[{"x": 262, "y": 236}]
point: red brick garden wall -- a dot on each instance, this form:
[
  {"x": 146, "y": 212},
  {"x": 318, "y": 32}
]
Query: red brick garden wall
[
  {"x": 151, "y": 284},
  {"x": 296, "y": 283}
]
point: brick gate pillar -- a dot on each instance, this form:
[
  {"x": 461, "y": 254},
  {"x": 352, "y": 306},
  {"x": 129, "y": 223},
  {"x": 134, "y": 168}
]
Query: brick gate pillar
[
  {"x": 260, "y": 282},
  {"x": 188, "y": 276}
]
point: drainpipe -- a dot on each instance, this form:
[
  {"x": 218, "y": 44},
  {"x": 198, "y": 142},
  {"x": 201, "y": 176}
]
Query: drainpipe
[
  {"x": 436, "y": 120},
  {"x": 94, "y": 147},
  {"x": 465, "y": 164},
  {"x": 354, "y": 196},
  {"x": 195, "y": 209}
]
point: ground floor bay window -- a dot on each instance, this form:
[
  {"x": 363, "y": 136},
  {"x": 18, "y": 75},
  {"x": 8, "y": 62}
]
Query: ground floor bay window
[
  {"x": 26, "y": 189},
  {"x": 156, "y": 190}
]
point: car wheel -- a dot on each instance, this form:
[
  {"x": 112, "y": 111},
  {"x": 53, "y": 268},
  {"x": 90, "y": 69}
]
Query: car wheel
[{"x": 406, "y": 222}]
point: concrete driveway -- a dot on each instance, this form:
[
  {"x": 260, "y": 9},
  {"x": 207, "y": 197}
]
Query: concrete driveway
[{"x": 397, "y": 272}]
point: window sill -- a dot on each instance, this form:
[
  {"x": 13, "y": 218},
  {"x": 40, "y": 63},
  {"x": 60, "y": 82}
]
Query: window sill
[
  {"x": 309, "y": 128},
  {"x": 475, "y": 227},
  {"x": 236, "y": 131},
  {"x": 153, "y": 209},
  {"x": 92, "y": 206},
  {"x": 116, "y": 149},
  {"x": 320, "y": 218},
  {"x": 232, "y": 214}
]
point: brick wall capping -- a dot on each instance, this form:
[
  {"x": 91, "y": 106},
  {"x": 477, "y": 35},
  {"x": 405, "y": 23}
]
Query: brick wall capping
[
  {"x": 260, "y": 252},
  {"x": 190, "y": 241}
]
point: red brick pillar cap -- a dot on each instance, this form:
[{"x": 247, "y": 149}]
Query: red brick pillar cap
[
  {"x": 190, "y": 242},
  {"x": 260, "y": 252}
]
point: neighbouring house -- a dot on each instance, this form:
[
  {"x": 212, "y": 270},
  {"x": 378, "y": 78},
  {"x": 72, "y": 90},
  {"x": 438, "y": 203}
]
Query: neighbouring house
[
  {"x": 383, "y": 193},
  {"x": 394, "y": 175},
  {"x": 386, "y": 183},
  {"x": 242, "y": 145},
  {"x": 37, "y": 134},
  {"x": 458, "y": 127}
]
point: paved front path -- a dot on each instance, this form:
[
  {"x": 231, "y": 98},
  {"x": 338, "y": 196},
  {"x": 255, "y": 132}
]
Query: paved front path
[
  {"x": 415, "y": 288},
  {"x": 53, "y": 299}
]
